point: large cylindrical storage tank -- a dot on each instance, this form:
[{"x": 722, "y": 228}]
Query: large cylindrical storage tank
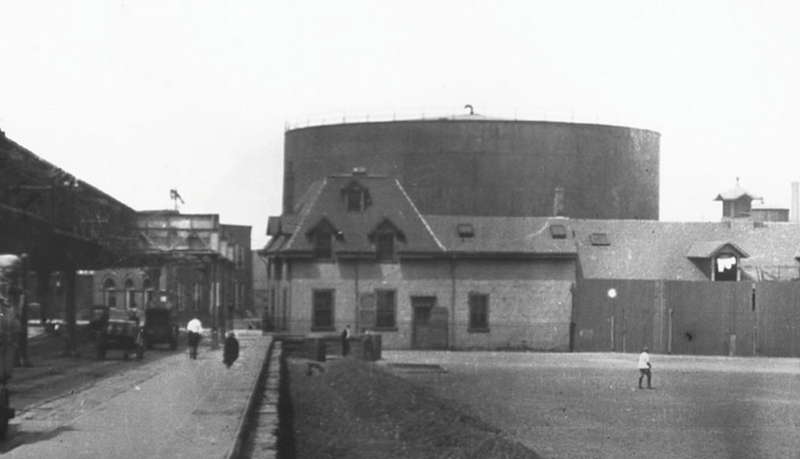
[{"x": 479, "y": 166}]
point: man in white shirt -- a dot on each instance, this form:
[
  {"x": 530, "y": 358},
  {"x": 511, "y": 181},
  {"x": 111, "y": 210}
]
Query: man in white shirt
[
  {"x": 195, "y": 329},
  {"x": 644, "y": 368}
]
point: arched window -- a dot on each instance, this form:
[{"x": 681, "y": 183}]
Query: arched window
[
  {"x": 110, "y": 293},
  {"x": 130, "y": 294},
  {"x": 149, "y": 294}
]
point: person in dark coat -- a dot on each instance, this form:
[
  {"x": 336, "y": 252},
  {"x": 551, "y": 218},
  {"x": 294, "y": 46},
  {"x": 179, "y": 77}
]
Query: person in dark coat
[
  {"x": 231, "y": 350},
  {"x": 346, "y": 341}
]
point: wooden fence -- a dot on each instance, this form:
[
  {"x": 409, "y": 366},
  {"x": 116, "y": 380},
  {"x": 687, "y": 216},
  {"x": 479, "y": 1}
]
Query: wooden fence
[{"x": 687, "y": 317}]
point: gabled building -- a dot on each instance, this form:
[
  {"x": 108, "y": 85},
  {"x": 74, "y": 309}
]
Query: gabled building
[{"x": 357, "y": 251}]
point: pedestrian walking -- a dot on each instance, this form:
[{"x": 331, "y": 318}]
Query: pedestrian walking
[
  {"x": 230, "y": 351},
  {"x": 346, "y": 341},
  {"x": 195, "y": 328},
  {"x": 645, "y": 368}
]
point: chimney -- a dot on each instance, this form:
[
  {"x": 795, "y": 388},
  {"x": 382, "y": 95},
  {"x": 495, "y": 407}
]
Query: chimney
[
  {"x": 558, "y": 202},
  {"x": 794, "y": 215}
]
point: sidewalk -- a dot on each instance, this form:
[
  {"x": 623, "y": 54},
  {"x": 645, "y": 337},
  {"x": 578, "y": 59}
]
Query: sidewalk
[{"x": 189, "y": 409}]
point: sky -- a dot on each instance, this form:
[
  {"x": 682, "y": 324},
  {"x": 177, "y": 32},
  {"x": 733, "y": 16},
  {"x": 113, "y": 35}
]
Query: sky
[{"x": 140, "y": 97}]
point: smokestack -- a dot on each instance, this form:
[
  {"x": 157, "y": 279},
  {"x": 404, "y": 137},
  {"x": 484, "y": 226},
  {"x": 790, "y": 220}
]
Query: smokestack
[
  {"x": 794, "y": 214},
  {"x": 558, "y": 202}
]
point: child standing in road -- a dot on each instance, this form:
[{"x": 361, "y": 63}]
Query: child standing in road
[{"x": 644, "y": 368}]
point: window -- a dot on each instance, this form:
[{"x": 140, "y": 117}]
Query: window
[
  {"x": 110, "y": 293},
  {"x": 130, "y": 295},
  {"x": 322, "y": 314},
  {"x": 323, "y": 245},
  {"x": 385, "y": 309},
  {"x": 196, "y": 296},
  {"x": 149, "y": 294},
  {"x": 478, "y": 312},
  {"x": 355, "y": 200},
  {"x": 384, "y": 236},
  {"x": 384, "y": 243},
  {"x": 356, "y": 197},
  {"x": 726, "y": 268}
]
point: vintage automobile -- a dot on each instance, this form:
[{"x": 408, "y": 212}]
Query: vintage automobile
[
  {"x": 121, "y": 332},
  {"x": 98, "y": 317},
  {"x": 160, "y": 327}
]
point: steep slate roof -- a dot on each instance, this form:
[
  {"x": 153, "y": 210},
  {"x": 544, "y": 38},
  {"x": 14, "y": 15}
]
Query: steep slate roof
[
  {"x": 510, "y": 236},
  {"x": 388, "y": 201},
  {"x": 710, "y": 249},
  {"x": 641, "y": 249}
]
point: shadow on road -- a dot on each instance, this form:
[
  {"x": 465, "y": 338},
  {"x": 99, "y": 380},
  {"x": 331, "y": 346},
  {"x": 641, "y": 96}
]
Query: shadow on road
[{"x": 30, "y": 437}]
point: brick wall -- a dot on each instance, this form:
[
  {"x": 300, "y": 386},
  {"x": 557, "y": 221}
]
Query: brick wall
[{"x": 530, "y": 301}]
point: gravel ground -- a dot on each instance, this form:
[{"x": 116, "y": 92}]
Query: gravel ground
[
  {"x": 356, "y": 409},
  {"x": 588, "y": 406}
]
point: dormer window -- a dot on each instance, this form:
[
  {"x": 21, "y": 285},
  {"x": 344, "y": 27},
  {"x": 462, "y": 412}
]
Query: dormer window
[
  {"x": 384, "y": 246},
  {"x": 385, "y": 236},
  {"x": 558, "y": 231},
  {"x": 323, "y": 245},
  {"x": 465, "y": 230},
  {"x": 726, "y": 268},
  {"x": 321, "y": 238},
  {"x": 356, "y": 197},
  {"x": 719, "y": 260}
]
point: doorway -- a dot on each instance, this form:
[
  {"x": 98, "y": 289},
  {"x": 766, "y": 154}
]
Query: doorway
[{"x": 429, "y": 324}]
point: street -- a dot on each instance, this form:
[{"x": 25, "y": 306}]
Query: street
[{"x": 163, "y": 406}]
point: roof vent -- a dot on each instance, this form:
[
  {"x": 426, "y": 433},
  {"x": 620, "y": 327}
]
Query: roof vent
[
  {"x": 558, "y": 231},
  {"x": 359, "y": 171},
  {"x": 465, "y": 230},
  {"x": 599, "y": 239}
]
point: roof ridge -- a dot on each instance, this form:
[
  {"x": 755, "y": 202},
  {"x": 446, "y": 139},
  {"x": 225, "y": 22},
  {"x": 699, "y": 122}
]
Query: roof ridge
[
  {"x": 419, "y": 215},
  {"x": 307, "y": 211}
]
